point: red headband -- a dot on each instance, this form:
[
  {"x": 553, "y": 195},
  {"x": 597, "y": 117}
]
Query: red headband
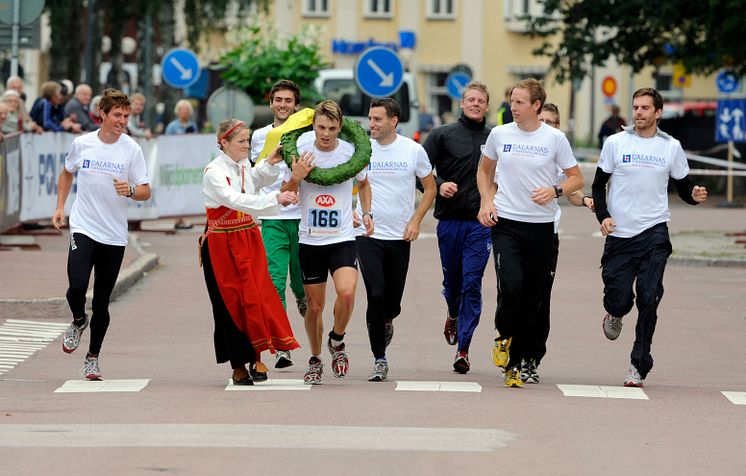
[{"x": 236, "y": 126}]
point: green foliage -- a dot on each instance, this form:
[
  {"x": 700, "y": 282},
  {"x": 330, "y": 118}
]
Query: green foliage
[
  {"x": 703, "y": 35},
  {"x": 260, "y": 59},
  {"x": 351, "y": 132}
]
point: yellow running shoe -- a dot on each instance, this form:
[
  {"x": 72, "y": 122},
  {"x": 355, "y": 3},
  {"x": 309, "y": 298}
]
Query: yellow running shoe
[
  {"x": 513, "y": 378},
  {"x": 501, "y": 351}
]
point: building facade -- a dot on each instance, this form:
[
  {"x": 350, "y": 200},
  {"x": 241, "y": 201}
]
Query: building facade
[{"x": 486, "y": 35}]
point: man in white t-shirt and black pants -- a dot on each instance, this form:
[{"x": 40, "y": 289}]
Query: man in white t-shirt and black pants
[
  {"x": 327, "y": 235},
  {"x": 522, "y": 216},
  {"x": 638, "y": 163},
  {"x": 395, "y": 165},
  {"x": 111, "y": 169},
  {"x": 280, "y": 232}
]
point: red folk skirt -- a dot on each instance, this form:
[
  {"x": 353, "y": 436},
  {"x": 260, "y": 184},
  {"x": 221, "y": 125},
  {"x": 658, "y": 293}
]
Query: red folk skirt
[{"x": 239, "y": 263}]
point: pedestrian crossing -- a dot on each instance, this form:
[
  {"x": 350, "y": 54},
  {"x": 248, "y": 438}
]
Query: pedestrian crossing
[
  {"x": 20, "y": 339},
  {"x": 567, "y": 390}
]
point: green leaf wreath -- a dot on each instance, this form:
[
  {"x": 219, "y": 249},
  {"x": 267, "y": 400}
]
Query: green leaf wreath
[{"x": 351, "y": 132}]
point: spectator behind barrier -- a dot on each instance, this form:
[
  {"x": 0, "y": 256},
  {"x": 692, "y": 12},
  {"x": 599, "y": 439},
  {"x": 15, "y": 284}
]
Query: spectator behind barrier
[
  {"x": 136, "y": 124},
  {"x": 183, "y": 124},
  {"x": 3, "y": 116},
  {"x": 48, "y": 110},
  {"x": 15, "y": 83},
  {"x": 94, "y": 112},
  {"x": 77, "y": 108}
]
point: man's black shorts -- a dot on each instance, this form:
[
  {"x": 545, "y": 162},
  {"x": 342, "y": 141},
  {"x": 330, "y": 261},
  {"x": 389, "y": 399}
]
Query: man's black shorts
[{"x": 318, "y": 260}]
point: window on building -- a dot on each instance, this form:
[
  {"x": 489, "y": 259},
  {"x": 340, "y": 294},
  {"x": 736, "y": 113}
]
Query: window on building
[
  {"x": 441, "y": 9},
  {"x": 379, "y": 8},
  {"x": 316, "y": 8},
  {"x": 516, "y": 12}
]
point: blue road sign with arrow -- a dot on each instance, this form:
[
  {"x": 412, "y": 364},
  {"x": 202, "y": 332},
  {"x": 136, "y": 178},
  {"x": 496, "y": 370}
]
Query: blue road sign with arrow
[
  {"x": 379, "y": 72},
  {"x": 180, "y": 68},
  {"x": 455, "y": 83},
  {"x": 726, "y": 81}
]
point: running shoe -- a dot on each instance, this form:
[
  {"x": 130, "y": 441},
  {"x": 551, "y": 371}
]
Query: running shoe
[
  {"x": 340, "y": 363},
  {"x": 450, "y": 329},
  {"x": 461, "y": 363},
  {"x": 71, "y": 339},
  {"x": 380, "y": 371},
  {"x": 389, "y": 329},
  {"x": 258, "y": 372},
  {"x": 633, "y": 377},
  {"x": 612, "y": 326},
  {"x": 314, "y": 371},
  {"x": 528, "y": 371},
  {"x": 91, "y": 369},
  {"x": 501, "y": 351},
  {"x": 513, "y": 378},
  {"x": 282, "y": 359},
  {"x": 302, "y": 304}
]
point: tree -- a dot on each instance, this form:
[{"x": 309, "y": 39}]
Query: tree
[
  {"x": 702, "y": 35},
  {"x": 263, "y": 58},
  {"x": 64, "y": 50}
]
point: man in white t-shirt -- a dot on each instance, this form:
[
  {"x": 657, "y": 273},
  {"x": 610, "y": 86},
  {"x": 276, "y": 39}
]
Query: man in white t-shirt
[
  {"x": 522, "y": 216},
  {"x": 638, "y": 161},
  {"x": 280, "y": 231},
  {"x": 327, "y": 236},
  {"x": 537, "y": 343},
  {"x": 395, "y": 165},
  {"x": 111, "y": 168}
]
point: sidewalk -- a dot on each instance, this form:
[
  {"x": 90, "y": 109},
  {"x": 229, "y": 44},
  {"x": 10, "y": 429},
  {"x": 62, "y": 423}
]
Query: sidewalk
[{"x": 34, "y": 281}]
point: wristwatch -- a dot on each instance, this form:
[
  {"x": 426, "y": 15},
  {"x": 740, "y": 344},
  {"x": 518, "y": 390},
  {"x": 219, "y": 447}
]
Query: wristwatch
[
  {"x": 132, "y": 191},
  {"x": 558, "y": 191},
  {"x": 369, "y": 214}
]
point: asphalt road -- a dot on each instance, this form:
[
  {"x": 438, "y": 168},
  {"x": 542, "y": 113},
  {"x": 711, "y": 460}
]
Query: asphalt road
[{"x": 184, "y": 421}]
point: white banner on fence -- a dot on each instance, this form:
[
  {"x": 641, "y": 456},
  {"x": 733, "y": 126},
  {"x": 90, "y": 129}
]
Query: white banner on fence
[
  {"x": 146, "y": 210},
  {"x": 175, "y": 165},
  {"x": 181, "y": 163},
  {"x": 43, "y": 157}
]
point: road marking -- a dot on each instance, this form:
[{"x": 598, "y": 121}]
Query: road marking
[
  {"x": 736, "y": 398},
  {"x": 412, "y": 386},
  {"x": 254, "y": 436},
  {"x": 21, "y": 339},
  {"x": 86, "y": 386},
  {"x": 270, "y": 384},
  {"x": 599, "y": 391}
]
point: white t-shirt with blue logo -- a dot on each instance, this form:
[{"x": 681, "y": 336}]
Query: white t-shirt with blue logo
[
  {"x": 326, "y": 211},
  {"x": 289, "y": 212},
  {"x": 527, "y": 161},
  {"x": 639, "y": 168},
  {"x": 392, "y": 176},
  {"x": 98, "y": 212}
]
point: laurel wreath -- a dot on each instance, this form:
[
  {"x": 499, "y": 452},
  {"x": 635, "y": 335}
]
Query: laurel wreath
[{"x": 351, "y": 132}]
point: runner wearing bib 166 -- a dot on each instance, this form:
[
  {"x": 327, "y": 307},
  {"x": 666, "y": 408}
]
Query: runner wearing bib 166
[{"x": 326, "y": 235}]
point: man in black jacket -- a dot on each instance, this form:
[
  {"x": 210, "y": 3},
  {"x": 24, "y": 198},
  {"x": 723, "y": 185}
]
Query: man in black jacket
[{"x": 454, "y": 150}]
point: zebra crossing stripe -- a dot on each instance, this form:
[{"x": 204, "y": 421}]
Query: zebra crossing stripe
[
  {"x": 20, "y": 339},
  {"x": 736, "y": 398}
]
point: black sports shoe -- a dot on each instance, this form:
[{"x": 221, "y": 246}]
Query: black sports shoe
[{"x": 257, "y": 375}]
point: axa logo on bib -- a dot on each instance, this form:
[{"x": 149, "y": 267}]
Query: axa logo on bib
[{"x": 325, "y": 200}]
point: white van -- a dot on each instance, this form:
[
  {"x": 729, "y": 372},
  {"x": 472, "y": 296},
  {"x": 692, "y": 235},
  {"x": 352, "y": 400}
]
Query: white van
[{"x": 339, "y": 85}]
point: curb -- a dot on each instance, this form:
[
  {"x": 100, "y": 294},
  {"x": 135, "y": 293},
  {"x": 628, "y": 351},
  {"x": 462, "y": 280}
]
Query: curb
[
  {"x": 129, "y": 276},
  {"x": 707, "y": 262}
]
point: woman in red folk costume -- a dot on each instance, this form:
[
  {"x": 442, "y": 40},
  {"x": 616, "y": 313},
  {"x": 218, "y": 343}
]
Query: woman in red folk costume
[{"x": 249, "y": 316}]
